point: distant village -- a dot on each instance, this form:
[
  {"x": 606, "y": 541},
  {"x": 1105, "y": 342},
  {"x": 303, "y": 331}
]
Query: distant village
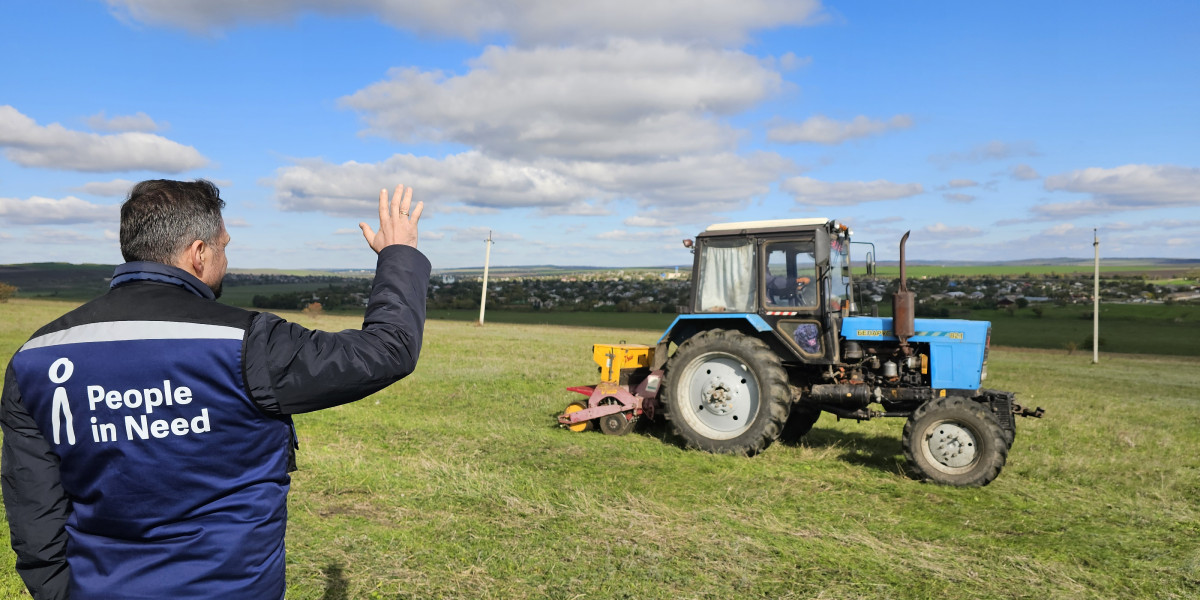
[{"x": 667, "y": 291}]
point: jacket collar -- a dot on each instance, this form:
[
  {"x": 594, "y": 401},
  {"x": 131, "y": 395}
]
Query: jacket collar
[{"x": 152, "y": 271}]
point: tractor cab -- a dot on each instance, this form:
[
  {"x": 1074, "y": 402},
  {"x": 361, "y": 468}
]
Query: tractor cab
[{"x": 790, "y": 277}]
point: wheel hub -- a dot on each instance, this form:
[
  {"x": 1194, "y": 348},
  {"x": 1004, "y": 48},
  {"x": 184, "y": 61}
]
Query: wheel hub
[
  {"x": 952, "y": 445},
  {"x": 723, "y": 393},
  {"x": 717, "y": 398}
]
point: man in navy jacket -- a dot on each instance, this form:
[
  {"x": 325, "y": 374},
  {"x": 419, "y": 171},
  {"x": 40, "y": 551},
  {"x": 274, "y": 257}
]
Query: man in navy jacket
[{"x": 148, "y": 434}]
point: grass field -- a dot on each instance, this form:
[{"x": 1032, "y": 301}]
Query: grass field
[
  {"x": 1154, "y": 272},
  {"x": 455, "y": 483}
]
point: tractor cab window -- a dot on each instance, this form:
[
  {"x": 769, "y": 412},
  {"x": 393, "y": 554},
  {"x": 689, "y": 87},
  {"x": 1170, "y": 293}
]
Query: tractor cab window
[
  {"x": 726, "y": 282},
  {"x": 839, "y": 274},
  {"x": 791, "y": 275}
]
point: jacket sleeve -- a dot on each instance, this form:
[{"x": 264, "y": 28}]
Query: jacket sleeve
[
  {"x": 34, "y": 500},
  {"x": 290, "y": 369}
]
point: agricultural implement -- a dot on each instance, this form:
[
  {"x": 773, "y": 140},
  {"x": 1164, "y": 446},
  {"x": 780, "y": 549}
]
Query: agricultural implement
[{"x": 772, "y": 338}]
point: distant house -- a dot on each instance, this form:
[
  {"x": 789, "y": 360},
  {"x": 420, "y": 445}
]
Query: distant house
[{"x": 1192, "y": 296}]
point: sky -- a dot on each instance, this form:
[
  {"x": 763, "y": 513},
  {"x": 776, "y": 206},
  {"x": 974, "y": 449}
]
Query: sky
[{"x": 602, "y": 133}]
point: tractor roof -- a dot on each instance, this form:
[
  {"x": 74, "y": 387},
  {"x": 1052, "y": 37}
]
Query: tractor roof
[{"x": 759, "y": 225}]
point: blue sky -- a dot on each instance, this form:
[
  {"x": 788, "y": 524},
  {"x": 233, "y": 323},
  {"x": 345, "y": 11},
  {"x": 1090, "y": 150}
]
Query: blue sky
[{"x": 603, "y": 133}]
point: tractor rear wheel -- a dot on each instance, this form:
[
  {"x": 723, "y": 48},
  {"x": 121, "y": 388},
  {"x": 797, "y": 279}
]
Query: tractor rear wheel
[
  {"x": 726, "y": 392},
  {"x": 955, "y": 441}
]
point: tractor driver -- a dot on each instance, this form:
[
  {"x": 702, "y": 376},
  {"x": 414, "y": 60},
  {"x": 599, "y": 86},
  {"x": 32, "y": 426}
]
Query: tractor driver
[{"x": 781, "y": 293}]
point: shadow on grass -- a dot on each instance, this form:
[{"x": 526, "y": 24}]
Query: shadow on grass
[
  {"x": 336, "y": 586},
  {"x": 880, "y": 452}
]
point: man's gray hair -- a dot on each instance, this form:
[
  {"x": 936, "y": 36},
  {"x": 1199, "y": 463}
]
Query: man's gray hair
[{"x": 160, "y": 218}]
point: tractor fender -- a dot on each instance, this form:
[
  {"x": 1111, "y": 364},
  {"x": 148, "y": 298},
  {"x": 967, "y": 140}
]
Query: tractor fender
[{"x": 686, "y": 326}]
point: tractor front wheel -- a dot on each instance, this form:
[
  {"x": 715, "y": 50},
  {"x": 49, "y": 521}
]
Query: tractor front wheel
[
  {"x": 726, "y": 392},
  {"x": 955, "y": 441}
]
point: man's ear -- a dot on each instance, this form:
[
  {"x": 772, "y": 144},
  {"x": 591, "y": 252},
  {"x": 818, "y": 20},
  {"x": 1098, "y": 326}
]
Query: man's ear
[{"x": 192, "y": 258}]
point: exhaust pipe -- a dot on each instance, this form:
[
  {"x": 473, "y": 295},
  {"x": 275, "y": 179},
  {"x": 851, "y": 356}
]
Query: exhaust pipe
[{"x": 904, "y": 303}]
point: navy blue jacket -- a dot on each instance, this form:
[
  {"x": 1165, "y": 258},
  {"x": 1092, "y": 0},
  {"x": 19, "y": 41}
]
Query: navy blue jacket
[{"x": 147, "y": 434}]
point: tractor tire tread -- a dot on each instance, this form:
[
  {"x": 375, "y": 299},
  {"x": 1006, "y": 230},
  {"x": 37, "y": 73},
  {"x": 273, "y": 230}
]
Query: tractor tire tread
[{"x": 992, "y": 455}]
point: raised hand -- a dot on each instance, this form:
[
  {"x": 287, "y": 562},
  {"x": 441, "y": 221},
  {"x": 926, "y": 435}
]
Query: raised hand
[{"x": 397, "y": 221}]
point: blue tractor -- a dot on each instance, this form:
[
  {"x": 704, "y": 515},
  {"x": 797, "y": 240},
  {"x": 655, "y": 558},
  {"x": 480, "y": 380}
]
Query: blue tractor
[{"x": 772, "y": 338}]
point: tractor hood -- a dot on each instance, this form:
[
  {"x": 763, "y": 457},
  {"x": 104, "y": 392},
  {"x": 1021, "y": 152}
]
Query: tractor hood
[{"x": 957, "y": 348}]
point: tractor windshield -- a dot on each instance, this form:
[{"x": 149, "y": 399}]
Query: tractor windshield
[{"x": 726, "y": 282}]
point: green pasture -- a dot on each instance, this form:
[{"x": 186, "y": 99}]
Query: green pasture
[
  {"x": 1124, "y": 328},
  {"x": 1154, "y": 272},
  {"x": 456, "y": 483}
]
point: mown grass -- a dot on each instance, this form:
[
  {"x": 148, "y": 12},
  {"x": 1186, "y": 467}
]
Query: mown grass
[{"x": 455, "y": 483}]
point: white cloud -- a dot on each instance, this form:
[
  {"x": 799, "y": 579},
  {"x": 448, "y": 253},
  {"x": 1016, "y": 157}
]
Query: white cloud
[
  {"x": 701, "y": 184},
  {"x": 464, "y": 209},
  {"x": 576, "y": 209},
  {"x": 961, "y": 183},
  {"x": 1023, "y": 172},
  {"x": 823, "y": 130},
  {"x": 942, "y": 231},
  {"x": 790, "y": 61},
  {"x": 54, "y": 146},
  {"x": 843, "y": 193},
  {"x": 327, "y": 247},
  {"x": 994, "y": 150},
  {"x": 137, "y": 122},
  {"x": 1061, "y": 230},
  {"x": 529, "y": 21},
  {"x": 349, "y": 189},
  {"x": 481, "y": 234},
  {"x": 720, "y": 182},
  {"x": 619, "y": 235},
  {"x": 1128, "y": 187},
  {"x": 39, "y": 210},
  {"x": 47, "y": 235},
  {"x": 237, "y": 222},
  {"x": 622, "y": 100},
  {"x": 348, "y": 231},
  {"x": 116, "y": 187},
  {"x": 432, "y": 235},
  {"x": 960, "y": 198},
  {"x": 644, "y": 221},
  {"x": 1173, "y": 224}
]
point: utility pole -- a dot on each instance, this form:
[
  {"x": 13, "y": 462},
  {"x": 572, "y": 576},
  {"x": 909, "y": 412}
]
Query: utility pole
[
  {"x": 1096, "y": 302},
  {"x": 487, "y": 259}
]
